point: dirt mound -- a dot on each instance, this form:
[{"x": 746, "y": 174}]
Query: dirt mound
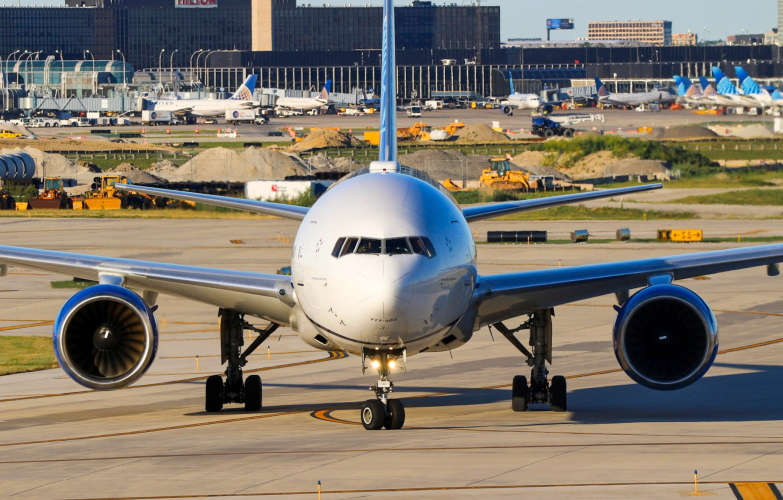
[
  {"x": 221, "y": 164},
  {"x": 657, "y": 169},
  {"x": 593, "y": 165},
  {"x": 323, "y": 162},
  {"x": 752, "y": 132},
  {"x": 325, "y": 138},
  {"x": 682, "y": 132},
  {"x": 443, "y": 164},
  {"x": 92, "y": 144},
  {"x": 533, "y": 162},
  {"x": 50, "y": 165},
  {"x": 135, "y": 175},
  {"x": 480, "y": 133}
]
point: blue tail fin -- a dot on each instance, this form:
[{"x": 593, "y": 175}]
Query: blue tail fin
[
  {"x": 325, "y": 92},
  {"x": 722, "y": 82},
  {"x": 600, "y": 88},
  {"x": 388, "y": 140},
  {"x": 747, "y": 84},
  {"x": 245, "y": 92},
  {"x": 511, "y": 82}
]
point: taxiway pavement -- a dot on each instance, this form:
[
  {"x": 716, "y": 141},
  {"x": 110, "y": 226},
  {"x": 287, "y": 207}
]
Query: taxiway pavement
[{"x": 461, "y": 439}]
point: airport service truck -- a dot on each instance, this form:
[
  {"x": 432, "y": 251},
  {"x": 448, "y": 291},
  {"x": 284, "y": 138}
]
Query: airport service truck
[
  {"x": 149, "y": 117},
  {"x": 249, "y": 116}
]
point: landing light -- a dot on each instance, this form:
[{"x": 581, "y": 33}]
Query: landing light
[
  {"x": 392, "y": 364},
  {"x": 376, "y": 364}
]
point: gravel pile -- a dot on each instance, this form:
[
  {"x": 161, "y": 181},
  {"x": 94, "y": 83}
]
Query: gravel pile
[
  {"x": 480, "y": 133},
  {"x": 323, "y": 139},
  {"x": 226, "y": 165},
  {"x": 682, "y": 132},
  {"x": 135, "y": 175}
]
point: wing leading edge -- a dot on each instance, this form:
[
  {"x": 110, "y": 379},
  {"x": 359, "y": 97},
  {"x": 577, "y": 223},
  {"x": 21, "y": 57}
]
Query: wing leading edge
[
  {"x": 255, "y": 294},
  {"x": 504, "y": 296},
  {"x": 258, "y": 207},
  {"x": 473, "y": 214}
]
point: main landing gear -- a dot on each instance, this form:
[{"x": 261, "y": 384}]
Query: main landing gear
[
  {"x": 540, "y": 389},
  {"x": 382, "y": 412},
  {"x": 234, "y": 390}
]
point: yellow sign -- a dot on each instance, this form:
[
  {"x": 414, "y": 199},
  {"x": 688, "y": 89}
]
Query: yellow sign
[{"x": 680, "y": 235}]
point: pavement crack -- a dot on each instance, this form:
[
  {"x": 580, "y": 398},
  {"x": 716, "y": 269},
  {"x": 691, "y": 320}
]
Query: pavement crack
[
  {"x": 76, "y": 477},
  {"x": 743, "y": 463}
]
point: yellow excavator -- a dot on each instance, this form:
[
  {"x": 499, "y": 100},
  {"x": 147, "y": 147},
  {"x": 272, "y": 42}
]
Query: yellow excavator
[
  {"x": 105, "y": 196},
  {"x": 500, "y": 176},
  {"x": 52, "y": 197}
]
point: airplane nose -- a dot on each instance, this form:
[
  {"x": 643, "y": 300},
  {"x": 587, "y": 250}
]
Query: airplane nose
[{"x": 385, "y": 290}]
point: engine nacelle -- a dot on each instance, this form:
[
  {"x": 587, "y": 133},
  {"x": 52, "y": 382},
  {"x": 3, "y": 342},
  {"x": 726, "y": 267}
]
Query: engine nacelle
[
  {"x": 665, "y": 337},
  {"x": 105, "y": 337},
  {"x": 507, "y": 110}
]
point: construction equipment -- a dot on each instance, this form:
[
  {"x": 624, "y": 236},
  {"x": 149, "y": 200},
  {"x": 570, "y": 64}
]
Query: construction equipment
[
  {"x": 418, "y": 132},
  {"x": 500, "y": 176},
  {"x": 451, "y": 186},
  {"x": 52, "y": 197},
  {"x": 452, "y": 128},
  {"x": 560, "y": 125},
  {"x": 104, "y": 196}
]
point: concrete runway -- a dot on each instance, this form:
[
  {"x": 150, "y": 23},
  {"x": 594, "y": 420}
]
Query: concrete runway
[{"x": 461, "y": 439}]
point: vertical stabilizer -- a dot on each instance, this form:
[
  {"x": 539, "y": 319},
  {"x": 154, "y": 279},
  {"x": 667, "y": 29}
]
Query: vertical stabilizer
[
  {"x": 747, "y": 84},
  {"x": 722, "y": 82},
  {"x": 388, "y": 142},
  {"x": 600, "y": 88},
  {"x": 245, "y": 92}
]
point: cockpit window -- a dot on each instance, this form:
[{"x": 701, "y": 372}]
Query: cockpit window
[
  {"x": 397, "y": 246},
  {"x": 423, "y": 246},
  {"x": 350, "y": 246},
  {"x": 367, "y": 245},
  {"x": 337, "y": 247}
]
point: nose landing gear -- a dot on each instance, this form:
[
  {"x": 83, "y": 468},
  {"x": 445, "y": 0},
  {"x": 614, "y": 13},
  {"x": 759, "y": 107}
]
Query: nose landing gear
[
  {"x": 383, "y": 412},
  {"x": 540, "y": 389},
  {"x": 235, "y": 390}
]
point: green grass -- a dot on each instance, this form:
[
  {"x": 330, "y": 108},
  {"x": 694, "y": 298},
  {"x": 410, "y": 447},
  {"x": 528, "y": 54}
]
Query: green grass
[
  {"x": 747, "y": 197},
  {"x": 581, "y": 212},
  {"x": 26, "y": 354},
  {"x": 731, "y": 154},
  {"x": 79, "y": 285}
]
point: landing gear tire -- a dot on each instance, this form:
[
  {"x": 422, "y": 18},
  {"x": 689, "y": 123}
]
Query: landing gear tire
[
  {"x": 214, "y": 401},
  {"x": 519, "y": 393},
  {"x": 396, "y": 416},
  {"x": 558, "y": 393},
  {"x": 373, "y": 415},
  {"x": 253, "y": 393}
]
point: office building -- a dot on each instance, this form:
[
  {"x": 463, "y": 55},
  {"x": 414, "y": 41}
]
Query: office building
[
  {"x": 655, "y": 32},
  {"x": 685, "y": 39}
]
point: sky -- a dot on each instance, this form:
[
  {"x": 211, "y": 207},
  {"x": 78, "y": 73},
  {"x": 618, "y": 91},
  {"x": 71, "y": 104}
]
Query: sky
[{"x": 527, "y": 19}]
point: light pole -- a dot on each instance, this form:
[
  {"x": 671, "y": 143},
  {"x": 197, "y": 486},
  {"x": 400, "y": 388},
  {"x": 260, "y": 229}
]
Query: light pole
[
  {"x": 160, "y": 64},
  {"x": 171, "y": 66},
  {"x": 206, "y": 75},
  {"x": 124, "y": 80},
  {"x": 190, "y": 67},
  {"x": 197, "y": 70}
]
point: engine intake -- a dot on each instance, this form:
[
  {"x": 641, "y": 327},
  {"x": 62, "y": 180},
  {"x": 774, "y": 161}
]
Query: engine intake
[
  {"x": 105, "y": 337},
  {"x": 665, "y": 337}
]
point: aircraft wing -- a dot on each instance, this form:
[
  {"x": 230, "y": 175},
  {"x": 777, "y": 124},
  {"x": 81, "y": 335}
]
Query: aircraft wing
[
  {"x": 504, "y": 296},
  {"x": 250, "y": 293},
  {"x": 473, "y": 214},
  {"x": 258, "y": 207}
]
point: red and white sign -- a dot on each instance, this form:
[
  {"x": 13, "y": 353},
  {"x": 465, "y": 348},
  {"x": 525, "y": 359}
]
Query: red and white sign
[{"x": 196, "y": 4}]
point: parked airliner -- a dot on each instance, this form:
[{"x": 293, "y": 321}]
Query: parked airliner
[
  {"x": 634, "y": 98},
  {"x": 384, "y": 267},
  {"x": 241, "y": 99},
  {"x": 306, "y": 103}
]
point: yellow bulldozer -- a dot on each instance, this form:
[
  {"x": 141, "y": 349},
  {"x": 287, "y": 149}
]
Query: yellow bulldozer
[
  {"x": 52, "y": 197},
  {"x": 104, "y": 196},
  {"x": 500, "y": 176}
]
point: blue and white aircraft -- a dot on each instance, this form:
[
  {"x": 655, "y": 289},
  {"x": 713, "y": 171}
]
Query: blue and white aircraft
[
  {"x": 384, "y": 267},
  {"x": 241, "y": 99}
]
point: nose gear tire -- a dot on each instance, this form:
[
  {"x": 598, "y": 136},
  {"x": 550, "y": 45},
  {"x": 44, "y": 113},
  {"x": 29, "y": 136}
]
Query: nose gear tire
[
  {"x": 396, "y": 416},
  {"x": 373, "y": 415}
]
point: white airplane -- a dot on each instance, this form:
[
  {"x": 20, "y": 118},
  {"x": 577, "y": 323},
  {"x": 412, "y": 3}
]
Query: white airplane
[
  {"x": 519, "y": 101},
  {"x": 241, "y": 99},
  {"x": 306, "y": 103},
  {"x": 384, "y": 267},
  {"x": 634, "y": 98}
]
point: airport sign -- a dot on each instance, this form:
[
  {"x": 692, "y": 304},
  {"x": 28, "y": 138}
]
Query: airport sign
[
  {"x": 195, "y": 4},
  {"x": 559, "y": 24}
]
